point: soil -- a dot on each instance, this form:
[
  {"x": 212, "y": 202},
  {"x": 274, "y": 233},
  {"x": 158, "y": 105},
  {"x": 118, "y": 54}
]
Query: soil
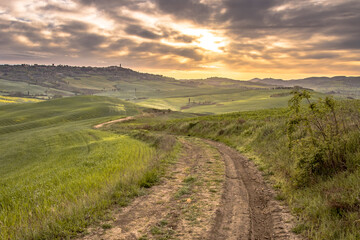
[
  {"x": 182, "y": 206},
  {"x": 211, "y": 192},
  {"x": 249, "y": 210},
  {"x": 113, "y": 121}
]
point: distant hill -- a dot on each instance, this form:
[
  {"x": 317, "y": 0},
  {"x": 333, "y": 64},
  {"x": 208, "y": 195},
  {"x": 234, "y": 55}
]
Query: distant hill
[
  {"x": 205, "y": 96},
  {"x": 340, "y": 85},
  {"x": 68, "y": 80},
  {"x": 44, "y": 81}
]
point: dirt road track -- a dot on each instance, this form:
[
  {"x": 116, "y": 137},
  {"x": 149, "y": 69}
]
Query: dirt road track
[
  {"x": 248, "y": 209},
  {"x": 240, "y": 207},
  {"x": 113, "y": 121}
]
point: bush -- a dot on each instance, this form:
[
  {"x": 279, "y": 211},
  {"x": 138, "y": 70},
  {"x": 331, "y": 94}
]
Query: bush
[{"x": 318, "y": 136}]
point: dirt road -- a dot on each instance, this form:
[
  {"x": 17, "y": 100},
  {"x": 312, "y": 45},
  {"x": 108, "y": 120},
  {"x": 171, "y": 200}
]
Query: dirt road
[
  {"x": 113, "y": 121},
  {"x": 248, "y": 209},
  {"x": 211, "y": 192}
]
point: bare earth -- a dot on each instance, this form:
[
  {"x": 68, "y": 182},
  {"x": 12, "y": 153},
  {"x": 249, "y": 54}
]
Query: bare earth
[
  {"x": 248, "y": 209},
  {"x": 113, "y": 121},
  {"x": 211, "y": 192}
]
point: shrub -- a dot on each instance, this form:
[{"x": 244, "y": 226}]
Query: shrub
[{"x": 318, "y": 136}]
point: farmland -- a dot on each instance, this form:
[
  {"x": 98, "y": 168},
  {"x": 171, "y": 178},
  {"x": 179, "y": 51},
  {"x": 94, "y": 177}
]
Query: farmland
[
  {"x": 317, "y": 178},
  {"x": 58, "y": 174},
  {"x": 7, "y": 100},
  {"x": 223, "y": 101}
]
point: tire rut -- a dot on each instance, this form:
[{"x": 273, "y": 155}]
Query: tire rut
[
  {"x": 229, "y": 199},
  {"x": 163, "y": 212},
  {"x": 249, "y": 211}
]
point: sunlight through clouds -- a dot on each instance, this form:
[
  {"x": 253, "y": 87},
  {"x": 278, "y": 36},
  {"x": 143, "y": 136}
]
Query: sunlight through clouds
[{"x": 239, "y": 37}]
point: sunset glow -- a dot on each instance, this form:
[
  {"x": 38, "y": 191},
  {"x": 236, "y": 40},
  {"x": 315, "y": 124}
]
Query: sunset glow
[{"x": 230, "y": 38}]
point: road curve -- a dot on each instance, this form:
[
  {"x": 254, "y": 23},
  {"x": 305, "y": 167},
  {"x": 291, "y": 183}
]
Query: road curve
[
  {"x": 113, "y": 121},
  {"x": 248, "y": 209}
]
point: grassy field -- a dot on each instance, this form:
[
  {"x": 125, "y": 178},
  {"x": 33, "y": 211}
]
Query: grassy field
[
  {"x": 204, "y": 99},
  {"x": 7, "y": 100},
  {"x": 319, "y": 178},
  {"x": 57, "y": 173},
  {"x": 13, "y": 86},
  {"x": 24, "y": 88},
  {"x": 217, "y": 101}
]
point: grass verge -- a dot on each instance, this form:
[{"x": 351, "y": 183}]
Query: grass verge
[{"x": 328, "y": 202}]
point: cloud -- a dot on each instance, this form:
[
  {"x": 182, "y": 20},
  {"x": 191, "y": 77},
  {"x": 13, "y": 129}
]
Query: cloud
[
  {"x": 163, "y": 50},
  {"x": 255, "y": 35},
  {"x": 191, "y": 10},
  {"x": 141, "y": 32},
  {"x": 74, "y": 26},
  {"x": 326, "y": 55}
]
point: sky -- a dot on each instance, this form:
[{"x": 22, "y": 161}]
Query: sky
[{"x": 239, "y": 39}]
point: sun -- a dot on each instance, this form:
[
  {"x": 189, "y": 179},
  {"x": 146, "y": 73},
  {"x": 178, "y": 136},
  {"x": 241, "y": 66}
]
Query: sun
[
  {"x": 206, "y": 39},
  {"x": 211, "y": 42}
]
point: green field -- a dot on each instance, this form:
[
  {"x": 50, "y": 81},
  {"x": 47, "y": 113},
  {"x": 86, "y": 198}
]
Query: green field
[
  {"x": 57, "y": 173},
  {"x": 317, "y": 173},
  {"x": 8, "y": 100},
  {"x": 24, "y": 88},
  {"x": 217, "y": 101}
]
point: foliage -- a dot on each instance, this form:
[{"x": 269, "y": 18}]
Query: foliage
[{"x": 319, "y": 135}]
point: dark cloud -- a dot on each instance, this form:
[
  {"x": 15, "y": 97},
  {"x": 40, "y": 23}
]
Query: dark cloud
[
  {"x": 248, "y": 18},
  {"x": 249, "y": 13},
  {"x": 192, "y": 10},
  {"x": 184, "y": 38},
  {"x": 87, "y": 41},
  {"x": 74, "y": 26},
  {"x": 80, "y": 37},
  {"x": 161, "y": 32},
  {"x": 141, "y": 32},
  {"x": 122, "y": 44},
  {"x": 259, "y": 33},
  {"x": 320, "y": 56},
  {"x": 176, "y": 36},
  {"x": 5, "y": 39},
  {"x": 109, "y": 3},
  {"x": 56, "y": 8},
  {"x": 164, "y": 49},
  {"x": 312, "y": 30}
]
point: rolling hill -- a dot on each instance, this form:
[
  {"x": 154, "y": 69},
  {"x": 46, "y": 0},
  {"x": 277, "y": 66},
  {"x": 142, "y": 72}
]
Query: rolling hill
[
  {"x": 339, "y": 85},
  {"x": 57, "y": 172},
  {"x": 211, "y": 95},
  {"x": 206, "y": 96}
]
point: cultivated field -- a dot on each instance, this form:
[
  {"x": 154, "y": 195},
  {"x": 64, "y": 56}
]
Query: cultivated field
[
  {"x": 217, "y": 101},
  {"x": 58, "y": 174},
  {"x": 309, "y": 153},
  {"x": 7, "y": 100}
]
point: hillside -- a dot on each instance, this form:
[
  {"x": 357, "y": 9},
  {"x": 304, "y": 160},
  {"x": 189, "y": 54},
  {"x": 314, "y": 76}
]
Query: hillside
[
  {"x": 57, "y": 173},
  {"x": 205, "y": 96},
  {"x": 339, "y": 85},
  {"x": 209, "y": 96},
  {"x": 309, "y": 153},
  {"x": 49, "y": 80},
  {"x": 44, "y": 80}
]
